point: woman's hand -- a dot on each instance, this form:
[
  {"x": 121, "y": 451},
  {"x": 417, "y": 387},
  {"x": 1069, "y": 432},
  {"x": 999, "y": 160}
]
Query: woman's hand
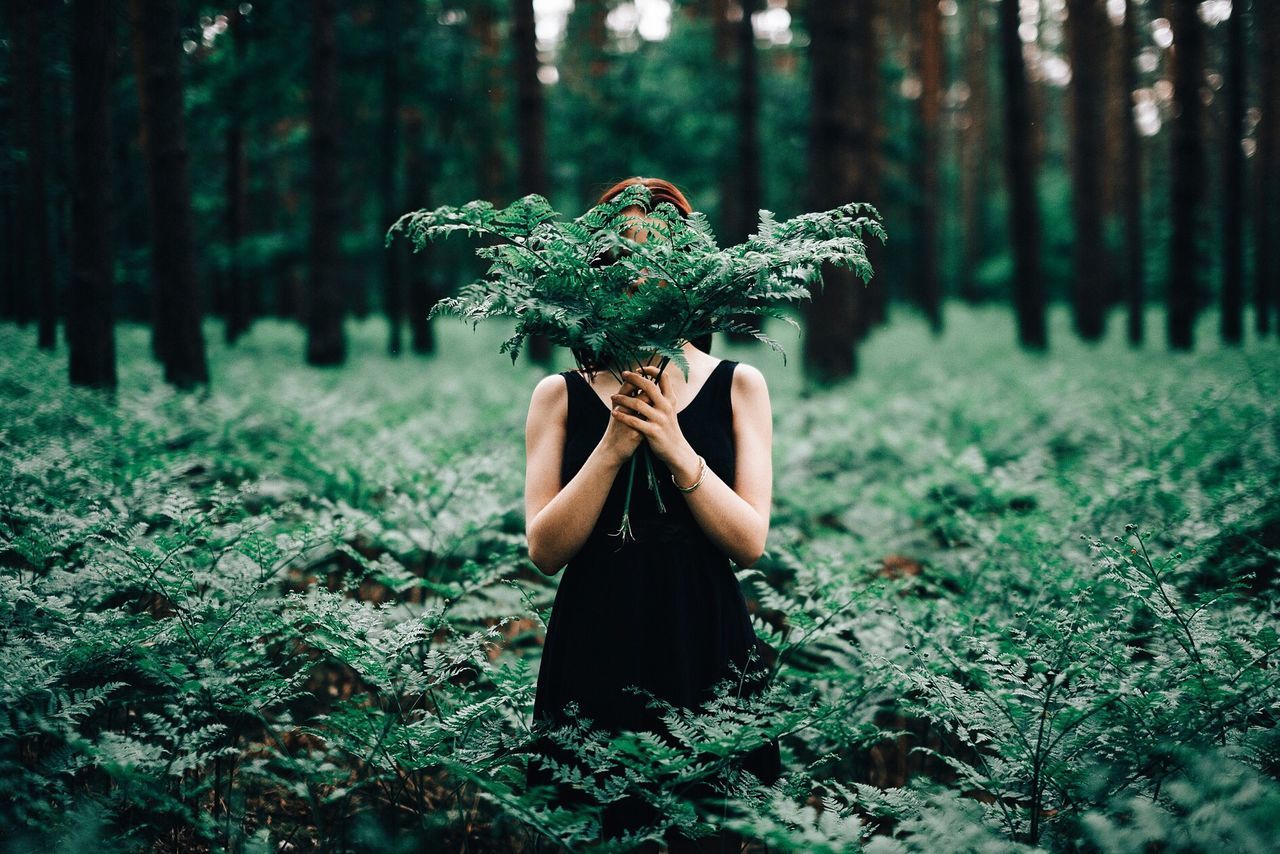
[
  {"x": 653, "y": 414},
  {"x": 621, "y": 439}
]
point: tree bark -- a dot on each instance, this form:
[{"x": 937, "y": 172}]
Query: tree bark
[
  {"x": 928, "y": 280},
  {"x": 841, "y": 169},
  {"x": 421, "y": 292},
  {"x": 1024, "y": 208},
  {"x": 1135, "y": 246},
  {"x": 177, "y": 335},
  {"x": 1187, "y": 165},
  {"x": 36, "y": 270},
  {"x": 973, "y": 152},
  {"x": 90, "y": 330},
  {"x": 392, "y": 257},
  {"x": 326, "y": 341},
  {"x": 746, "y": 178},
  {"x": 1266, "y": 223},
  {"x": 530, "y": 131},
  {"x": 492, "y": 164},
  {"x": 238, "y": 310},
  {"x": 585, "y": 83},
  {"x": 1232, "y": 317},
  {"x": 1088, "y": 28}
]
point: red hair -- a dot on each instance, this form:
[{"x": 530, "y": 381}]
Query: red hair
[{"x": 660, "y": 191}]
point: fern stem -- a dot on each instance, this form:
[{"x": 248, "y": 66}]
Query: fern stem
[
  {"x": 624, "y": 530},
  {"x": 653, "y": 480}
]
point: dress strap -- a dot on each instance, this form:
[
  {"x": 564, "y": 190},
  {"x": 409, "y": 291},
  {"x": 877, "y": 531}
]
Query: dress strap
[{"x": 724, "y": 392}]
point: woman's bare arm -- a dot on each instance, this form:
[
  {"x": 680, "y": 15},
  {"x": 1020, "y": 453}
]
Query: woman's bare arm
[
  {"x": 737, "y": 518},
  {"x": 558, "y": 521}
]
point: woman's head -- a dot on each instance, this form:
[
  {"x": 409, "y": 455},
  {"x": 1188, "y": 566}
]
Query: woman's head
[{"x": 659, "y": 191}]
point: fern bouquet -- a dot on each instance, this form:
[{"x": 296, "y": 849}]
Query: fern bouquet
[{"x": 575, "y": 281}]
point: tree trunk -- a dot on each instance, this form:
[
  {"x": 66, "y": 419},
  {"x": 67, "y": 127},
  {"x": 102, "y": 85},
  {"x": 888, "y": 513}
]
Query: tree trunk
[
  {"x": 973, "y": 151},
  {"x": 326, "y": 341},
  {"x": 1024, "y": 208},
  {"x": 492, "y": 164},
  {"x": 841, "y": 168},
  {"x": 392, "y": 256},
  {"x": 722, "y": 30},
  {"x": 422, "y": 295},
  {"x": 238, "y": 311},
  {"x": 90, "y": 333},
  {"x": 530, "y": 130},
  {"x": 1088, "y": 28},
  {"x": 177, "y": 336},
  {"x": 1187, "y": 166},
  {"x": 36, "y": 268},
  {"x": 1232, "y": 318},
  {"x": 873, "y": 302},
  {"x": 746, "y": 178},
  {"x": 584, "y": 82},
  {"x": 1134, "y": 240},
  {"x": 1266, "y": 223},
  {"x": 928, "y": 281}
]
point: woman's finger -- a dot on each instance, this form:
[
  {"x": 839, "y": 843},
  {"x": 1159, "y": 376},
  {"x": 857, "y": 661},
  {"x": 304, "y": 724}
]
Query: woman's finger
[
  {"x": 645, "y": 383},
  {"x": 633, "y": 421},
  {"x": 638, "y": 404},
  {"x": 664, "y": 384}
]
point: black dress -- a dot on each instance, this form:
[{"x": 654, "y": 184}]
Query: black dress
[{"x": 664, "y": 612}]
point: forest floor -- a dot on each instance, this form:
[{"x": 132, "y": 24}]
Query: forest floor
[{"x": 1013, "y": 599}]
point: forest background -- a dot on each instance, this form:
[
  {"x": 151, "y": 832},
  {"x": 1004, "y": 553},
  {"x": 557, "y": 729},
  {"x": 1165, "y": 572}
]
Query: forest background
[{"x": 261, "y": 533}]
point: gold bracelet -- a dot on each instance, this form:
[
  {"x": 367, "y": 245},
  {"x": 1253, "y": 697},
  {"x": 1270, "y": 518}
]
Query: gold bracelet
[{"x": 702, "y": 473}]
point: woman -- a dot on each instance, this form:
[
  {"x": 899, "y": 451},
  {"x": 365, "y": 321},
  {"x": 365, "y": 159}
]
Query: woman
[{"x": 665, "y": 611}]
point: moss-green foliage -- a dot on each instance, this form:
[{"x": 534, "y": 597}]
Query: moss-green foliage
[
  {"x": 574, "y": 281},
  {"x": 298, "y": 609}
]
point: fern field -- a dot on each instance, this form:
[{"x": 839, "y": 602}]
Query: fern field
[{"x": 1016, "y": 603}]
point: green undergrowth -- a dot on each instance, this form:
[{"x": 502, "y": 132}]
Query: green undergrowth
[{"x": 1016, "y": 602}]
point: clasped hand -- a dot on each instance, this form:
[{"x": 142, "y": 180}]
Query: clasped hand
[{"x": 653, "y": 414}]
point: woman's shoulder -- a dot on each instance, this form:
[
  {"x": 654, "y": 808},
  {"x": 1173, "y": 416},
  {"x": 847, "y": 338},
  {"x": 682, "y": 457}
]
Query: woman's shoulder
[
  {"x": 748, "y": 389},
  {"x": 550, "y": 393},
  {"x": 747, "y": 377}
]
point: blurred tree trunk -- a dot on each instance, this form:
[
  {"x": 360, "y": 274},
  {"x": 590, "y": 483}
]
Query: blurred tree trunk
[
  {"x": 1134, "y": 240},
  {"x": 1187, "y": 167},
  {"x": 530, "y": 130},
  {"x": 36, "y": 267},
  {"x": 1266, "y": 223},
  {"x": 973, "y": 151},
  {"x": 392, "y": 256},
  {"x": 11, "y": 283},
  {"x": 1112, "y": 113},
  {"x": 584, "y": 71},
  {"x": 417, "y": 268},
  {"x": 1024, "y": 207},
  {"x": 873, "y": 301},
  {"x": 90, "y": 333},
  {"x": 1232, "y": 317},
  {"x": 746, "y": 178},
  {"x": 722, "y": 29},
  {"x": 326, "y": 341},
  {"x": 725, "y": 50},
  {"x": 422, "y": 294},
  {"x": 928, "y": 285},
  {"x": 238, "y": 310},
  {"x": 177, "y": 336},
  {"x": 842, "y": 159},
  {"x": 492, "y": 164},
  {"x": 1088, "y": 28}
]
